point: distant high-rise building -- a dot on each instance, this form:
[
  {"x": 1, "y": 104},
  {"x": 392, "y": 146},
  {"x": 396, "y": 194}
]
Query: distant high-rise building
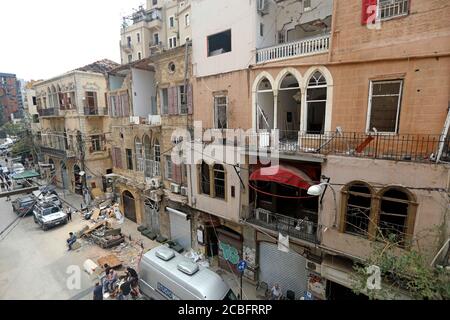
[{"x": 10, "y": 97}]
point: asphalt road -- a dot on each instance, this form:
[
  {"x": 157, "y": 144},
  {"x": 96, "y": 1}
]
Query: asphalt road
[{"x": 35, "y": 264}]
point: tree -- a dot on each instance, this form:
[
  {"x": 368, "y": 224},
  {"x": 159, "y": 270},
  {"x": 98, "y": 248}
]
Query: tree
[
  {"x": 13, "y": 129},
  {"x": 400, "y": 270}
]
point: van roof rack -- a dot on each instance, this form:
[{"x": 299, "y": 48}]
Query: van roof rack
[
  {"x": 165, "y": 253},
  {"x": 188, "y": 267}
]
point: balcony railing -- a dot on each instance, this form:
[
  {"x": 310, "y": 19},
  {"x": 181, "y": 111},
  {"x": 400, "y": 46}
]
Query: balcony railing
[
  {"x": 89, "y": 111},
  {"x": 152, "y": 168},
  {"x": 57, "y": 152},
  {"x": 399, "y": 147},
  {"x": 304, "y": 47},
  {"x": 298, "y": 228},
  {"x": 49, "y": 112},
  {"x": 393, "y": 8}
]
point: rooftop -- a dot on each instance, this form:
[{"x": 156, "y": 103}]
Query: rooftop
[{"x": 101, "y": 66}]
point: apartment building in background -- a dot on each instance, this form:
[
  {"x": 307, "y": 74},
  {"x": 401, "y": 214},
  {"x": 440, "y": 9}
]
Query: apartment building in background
[
  {"x": 75, "y": 126},
  {"x": 10, "y": 97},
  {"x": 160, "y": 26},
  {"x": 31, "y": 115}
]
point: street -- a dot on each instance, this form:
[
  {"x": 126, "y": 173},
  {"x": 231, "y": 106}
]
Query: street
[{"x": 33, "y": 263}]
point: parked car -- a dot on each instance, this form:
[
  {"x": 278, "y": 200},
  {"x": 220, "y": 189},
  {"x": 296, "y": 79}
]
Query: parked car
[
  {"x": 48, "y": 215},
  {"x": 48, "y": 189},
  {"x": 47, "y": 197},
  {"x": 24, "y": 206}
]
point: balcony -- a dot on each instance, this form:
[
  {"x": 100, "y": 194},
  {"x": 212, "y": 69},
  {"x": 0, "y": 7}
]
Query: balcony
[
  {"x": 50, "y": 112},
  {"x": 302, "y": 229},
  {"x": 128, "y": 48},
  {"x": 93, "y": 111},
  {"x": 399, "y": 147},
  {"x": 58, "y": 152},
  {"x": 300, "y": 48}
]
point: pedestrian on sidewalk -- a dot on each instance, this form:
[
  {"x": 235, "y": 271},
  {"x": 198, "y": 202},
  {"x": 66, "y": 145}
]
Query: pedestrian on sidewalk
[
  {"x": 69, "y": 214},
  {"x": 72, "y": 239},
  {"x": 98, "y": 291}
]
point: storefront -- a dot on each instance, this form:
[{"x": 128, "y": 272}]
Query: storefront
[{"x": 286, "y": 269}]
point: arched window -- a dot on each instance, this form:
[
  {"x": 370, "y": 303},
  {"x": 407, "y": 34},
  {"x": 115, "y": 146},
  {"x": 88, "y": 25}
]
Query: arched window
[
  {"x": 289, "y": 109},
  {"x": 219, "y": 181},
  {"x": 264, "y": 105},
  {"x": 396, "y": 215},
  {"x": 148, "y": 156},
  {"x": 205, "y": 181},
  {"x": 316, "y": 101},
  {"x": 357, "y": 201},
  {"x": 138, "y": 154}
]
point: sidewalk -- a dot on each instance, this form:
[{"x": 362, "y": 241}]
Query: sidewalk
[{"x": 133, "y": 236}]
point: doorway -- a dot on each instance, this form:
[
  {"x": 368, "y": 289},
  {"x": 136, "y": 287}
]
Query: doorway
[{"x": 129, "y": 206}]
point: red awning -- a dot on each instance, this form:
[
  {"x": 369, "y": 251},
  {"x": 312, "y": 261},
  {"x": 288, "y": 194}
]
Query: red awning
[{"x": 284, "y": 175}]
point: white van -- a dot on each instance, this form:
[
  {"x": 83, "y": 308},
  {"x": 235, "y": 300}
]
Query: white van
[{"x": 167, "y": 275}]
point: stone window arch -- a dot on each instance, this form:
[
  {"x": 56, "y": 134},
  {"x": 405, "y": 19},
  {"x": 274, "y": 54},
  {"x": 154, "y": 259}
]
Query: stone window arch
[
  {"x": 357, "y": 208},
  {"x": 396, "y": 215},
  {"x": 316, "y": 103}
]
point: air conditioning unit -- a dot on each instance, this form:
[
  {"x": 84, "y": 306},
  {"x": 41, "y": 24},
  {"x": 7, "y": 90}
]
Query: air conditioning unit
[
  {"x": 175, "y": 188},
  {"x": 184, "y": 191},
  {"x": 263, "y": 6},
  {"x": 155, "y": 196},
  {"x": 313, "y": 266},
  {"x": 155, "y": 183}
]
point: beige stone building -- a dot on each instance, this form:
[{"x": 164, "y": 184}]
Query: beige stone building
[
  {"x": 328, "y": 98},
  {"x": 75, "y": 126},
  {"x": 162, "y": 25}
]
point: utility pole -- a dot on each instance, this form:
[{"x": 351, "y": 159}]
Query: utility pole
[{"x": 82, "y": 155}]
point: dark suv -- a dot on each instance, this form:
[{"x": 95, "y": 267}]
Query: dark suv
[{"x": 24, "y": 205}]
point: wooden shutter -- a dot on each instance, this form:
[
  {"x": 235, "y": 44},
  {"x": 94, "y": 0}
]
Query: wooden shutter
[
  {"x": 189, "y": 98},
  {"x": 176, "y": 173},
  {"x": 95, "y": 100},
  {"x": 366, "y": 12},
  {"x": 171, "y": 99}
]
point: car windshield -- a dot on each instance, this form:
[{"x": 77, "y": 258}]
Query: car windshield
[
  {"x": 230, "y": 296},
  {"x": 48, "y": 211}
]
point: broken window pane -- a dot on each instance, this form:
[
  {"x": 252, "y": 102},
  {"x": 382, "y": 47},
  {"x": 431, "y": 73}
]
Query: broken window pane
[
  {"x": 219, "y": 181},
  {"x": 205, "y": 180},
  {"x": 393, "y": 215},
  {"x": 385, "y": 106},
  {"x": 358, "y": 210},
  {"x": 219, "y": 43},
  {"x": 220, "y": 106}
]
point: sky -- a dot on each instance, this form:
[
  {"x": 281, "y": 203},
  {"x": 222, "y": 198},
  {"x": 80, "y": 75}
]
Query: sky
[{"x": 40, "y": 39}]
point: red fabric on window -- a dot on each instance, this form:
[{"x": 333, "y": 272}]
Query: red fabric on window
[
  {"x": 284, "y": 175},
  {"x": 367, "y": 12}
]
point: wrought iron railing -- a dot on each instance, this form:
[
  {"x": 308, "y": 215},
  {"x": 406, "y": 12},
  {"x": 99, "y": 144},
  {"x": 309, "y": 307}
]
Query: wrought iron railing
[
  {"x": 94, "y": 111},
  {"x": 49, "y": 112},
  {"x": 303, "y": 229},
  {"x": 399, "y": 147}
]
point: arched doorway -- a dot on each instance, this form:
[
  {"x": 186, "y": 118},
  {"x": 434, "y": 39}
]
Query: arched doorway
[
  {"x": 64, "y": 176},
  {"x": 129, "y": 205},
  {"x": 288, "y": 109},
  {"x": 78, "y": 180}
]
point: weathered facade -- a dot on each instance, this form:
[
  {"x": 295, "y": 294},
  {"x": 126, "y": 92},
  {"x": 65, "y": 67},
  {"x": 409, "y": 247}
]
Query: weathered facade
[{"x": 74, "y": 121}]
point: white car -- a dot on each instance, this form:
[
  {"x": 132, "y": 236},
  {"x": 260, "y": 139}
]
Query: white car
[
  {"x": 48, "y": 215},
  {"x": 18, "y": 168}
]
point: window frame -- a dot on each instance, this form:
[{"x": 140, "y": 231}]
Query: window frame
[
  {"x": 172, "y": 42},
  {"x": 96, "y": 143},
  {"x": 399, "y": 103},
  {"x": 171, "y": 22},
  {"x": 187, "y": 19},
  {"x": 129, "y": 158},
  {"x": 208, "y": 52},
  {"x": 164, "y": 102},
  {"x": 307, "y": 101},
  {"x": 215, "y": 178},
  {"x": 216, "y": 126},
  {"x": 168, "y": 172},
  {"x": 182, "y": 108}
]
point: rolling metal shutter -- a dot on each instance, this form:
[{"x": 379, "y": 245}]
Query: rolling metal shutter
[
  {"x": 180, "y": 228},
  {"x": 286, "y": 269}
]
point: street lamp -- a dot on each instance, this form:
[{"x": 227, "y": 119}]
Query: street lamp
[{"x": 319, "y": 189}]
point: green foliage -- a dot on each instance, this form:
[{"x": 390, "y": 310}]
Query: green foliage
[
  {"x": 407, "y": 271},
  {"x": 13, "y": 129}
]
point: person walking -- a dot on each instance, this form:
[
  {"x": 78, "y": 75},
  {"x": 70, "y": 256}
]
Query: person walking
[
  {"x": 98, "y": 291},
  {"x": 69, "y": 214}
]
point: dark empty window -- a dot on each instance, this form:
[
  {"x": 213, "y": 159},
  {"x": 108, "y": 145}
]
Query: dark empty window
[
  {"x": 357, "y": 215},
  {"x": 91, "y": 99},
  {"x": 129, "y": 159},
  {"x": 220, "y": 112},
  {"x": 394, "y": 215},
  {"x": 316, "y": 103},
  {"x": 165, "y": 101},
  {"x": 385, "y": 99},
  {"x": 205, "y": 180},
  {"x": 96, "y": 143},
  {"x": 34, "y": 101},
  {"x": 155, "y": 2},
  {"x": 219, "y": 43},
  {"x": 219, "y": 181}
]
